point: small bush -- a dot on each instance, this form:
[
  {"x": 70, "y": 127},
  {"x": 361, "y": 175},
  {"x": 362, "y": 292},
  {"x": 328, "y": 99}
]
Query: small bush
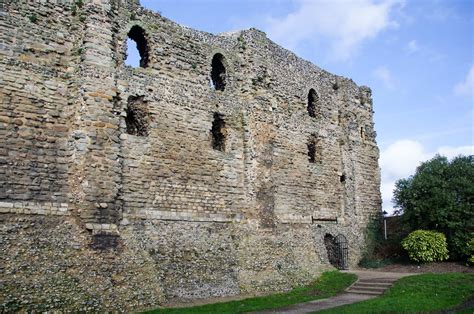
[
  {"x": 470, "y": 245},
  {"x": 33, "y": 18},
  {"x": 426, "y": 246}
]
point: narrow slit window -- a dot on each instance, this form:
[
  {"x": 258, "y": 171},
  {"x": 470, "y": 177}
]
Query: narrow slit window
[
  {"x": 218, "y": 72},
  {"x": 218, "y": 132},
  {"x": 314, "y": 150},
  {"x": 362, "y": 133},
  {"x": 312, "y": 102},
  {"x": 138, "y": 50}
]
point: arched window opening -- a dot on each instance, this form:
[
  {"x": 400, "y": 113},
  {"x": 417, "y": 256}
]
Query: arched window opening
[
  {"x": 138, "y": 56},
  {"x": 218, "y": 75},
  {"x": 218, "y": 132},
  {"x": 312, "y": 102}
]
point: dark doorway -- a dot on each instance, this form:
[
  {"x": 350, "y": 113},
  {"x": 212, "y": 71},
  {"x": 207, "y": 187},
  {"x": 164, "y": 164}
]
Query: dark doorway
[
  {"x": 218, "y": 132},
  {"x": 337, "y": 250},
  {"x": 137, "y": 119},
  {"x": 314, "y": 149}
]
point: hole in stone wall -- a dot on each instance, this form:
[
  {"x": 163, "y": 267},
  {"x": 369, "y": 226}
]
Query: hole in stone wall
[
  {"x": 138, "y": 55},
  {"x": 312, "y": 101},
  {"x": 104, "y": 241},
  {"x": 218, "y": 73},
  {"x": 218, "y": 132},
  {"x": 137, "y": 116},
  {"x": 314, "y": 149},
  {"x": 342, "y": 178}
]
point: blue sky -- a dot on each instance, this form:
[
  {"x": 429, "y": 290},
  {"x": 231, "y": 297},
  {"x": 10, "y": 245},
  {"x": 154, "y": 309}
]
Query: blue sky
[{"x": 417, "y": 56}]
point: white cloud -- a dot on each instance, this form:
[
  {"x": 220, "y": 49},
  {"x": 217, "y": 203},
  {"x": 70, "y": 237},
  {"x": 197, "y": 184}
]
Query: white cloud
[
  {"x": 383, "y": 74},
  {"x": 451, "y": 152},
  {"x": 400, "y": 160},
  {"x": 466, "y": 88},
  {"x": 427, "y": 53},
  {"x": 346, "y": 24},
  {"x": 412, "y": 47}
]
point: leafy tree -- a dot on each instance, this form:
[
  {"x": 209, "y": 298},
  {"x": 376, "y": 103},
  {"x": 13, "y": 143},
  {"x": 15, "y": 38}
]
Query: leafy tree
[{"x": 440, "y": 196}]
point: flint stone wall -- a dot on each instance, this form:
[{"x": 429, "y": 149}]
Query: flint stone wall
[{"x": 95, "y": 218}]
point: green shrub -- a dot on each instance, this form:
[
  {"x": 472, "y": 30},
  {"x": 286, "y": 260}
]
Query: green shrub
[
  {"x": 33, "y": 18},
  {"x": 426, "y": 246},
  {"x": 470, "y": 245}
]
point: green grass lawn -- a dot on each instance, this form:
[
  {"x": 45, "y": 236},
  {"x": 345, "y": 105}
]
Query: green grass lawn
[
  {"x": 417, "y": 294},
  {"x": 329, "y": 284}
]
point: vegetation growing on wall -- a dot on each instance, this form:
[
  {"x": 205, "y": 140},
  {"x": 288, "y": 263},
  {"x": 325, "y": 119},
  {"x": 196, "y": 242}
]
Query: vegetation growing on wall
[{"x": 379, "y": 251}]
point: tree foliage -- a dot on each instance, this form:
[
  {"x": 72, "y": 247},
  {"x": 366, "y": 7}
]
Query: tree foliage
[
  {"x": 470, "y": 246},
  {"x": 440, "y": 196}
]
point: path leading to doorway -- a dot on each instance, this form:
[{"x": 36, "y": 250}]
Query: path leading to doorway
[{"x": 369, "y": 284}]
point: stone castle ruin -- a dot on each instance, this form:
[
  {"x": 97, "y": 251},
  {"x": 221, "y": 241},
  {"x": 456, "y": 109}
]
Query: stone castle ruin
[{"x": 223, "y": 165}]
